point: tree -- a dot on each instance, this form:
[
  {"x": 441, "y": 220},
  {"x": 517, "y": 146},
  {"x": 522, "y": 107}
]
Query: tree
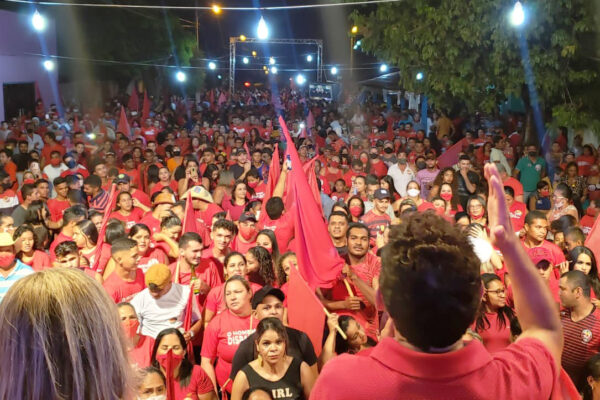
[{"x": 470, "y": 53}]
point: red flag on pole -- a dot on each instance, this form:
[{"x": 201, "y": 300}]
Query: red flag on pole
[
  {"x": 146, "y": 106},
  {"x": 76, "y": 124},
  {"x": 450, "y": 156},
  {"x": 134, "y": 101},
  {"x": 112, "y": 200},
  {"x": 222, "y": 98},
  {"x": 305, "y": 311},
  {"x": 123, "y": 124},
  {"x": 318, "y": 259},
  {"x": 187, "y": 321},
  {"x": 274, "y": 172},
  {"x": 593, "y": 239},
  {"x": 311, "y": 177}
]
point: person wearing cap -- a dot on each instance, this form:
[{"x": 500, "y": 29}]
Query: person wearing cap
[
  {"x": 11, "y": 268},
  {"x": 246, "y": 235},
  {"x": 161, "y": 205},
  {"x": 163, "y": 303},
  {"x": 139, "y": 197},
  {"x": 268, "y": 303},
  {"x": 377, "y": 219},
  {"x": 581, "y": 324}
]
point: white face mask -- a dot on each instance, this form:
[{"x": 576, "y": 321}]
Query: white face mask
[
  {"x": 157, "y": 397},
  {"x": 413, "y": 192}
]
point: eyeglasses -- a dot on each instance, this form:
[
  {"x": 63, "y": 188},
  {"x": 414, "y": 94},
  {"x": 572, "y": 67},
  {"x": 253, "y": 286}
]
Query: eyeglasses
[{"x": 497, "y": 292}]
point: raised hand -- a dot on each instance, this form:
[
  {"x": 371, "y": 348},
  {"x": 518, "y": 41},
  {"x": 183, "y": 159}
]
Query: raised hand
[{"x": 501, "y": 231}]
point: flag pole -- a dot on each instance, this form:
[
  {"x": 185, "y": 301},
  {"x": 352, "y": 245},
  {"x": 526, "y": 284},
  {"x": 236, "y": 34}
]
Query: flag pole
[{"x": 337, "y": 327}]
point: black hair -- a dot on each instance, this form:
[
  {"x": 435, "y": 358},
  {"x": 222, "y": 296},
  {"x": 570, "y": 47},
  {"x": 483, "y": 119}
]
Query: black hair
[
  {"x": 88, "y": 228},
  {"x": 341, "y": 344},
  {"x": 578, "y": 279},
  {"x": 189, "y": 237},
  {"x": 341, "y": 204},
  {"x": 122, "y": 244},
  {"x": 25, "y": 228},
  {"x": 509, "y": 191},
  {"x": 591, "y": 369},
  {"x": 114, "y": 230},
  {"x": 185, "y": 368},
  {"x": 576, "y": 233},
  {"x": 274, "y": 207},
  {"x": 26, "y": 190},
  {"x": 273, "y": 324},
  {"x": 224, "y": 224},
  {"x": 593, "y": 274},
  {"x": 170, "y": 221},
  {"x": 249, "y": 392},
  {"x": 121, "y": 194},
  {"x": 138, "y": 227},
  {"x": 504, "y": 313},
  {"x": 64, "y": 248},
  {"x": 93, "y": 180},
  {"x": 533, "y": 215},
  {"x": 338, "y": 214},
  {"x": 357, "y": 225},
  {"x": 74, "y": 213},
  {"x": 274, "y": 245},
  {"x": 58, "y": 181},
  {"x": 265, "y": 275}
]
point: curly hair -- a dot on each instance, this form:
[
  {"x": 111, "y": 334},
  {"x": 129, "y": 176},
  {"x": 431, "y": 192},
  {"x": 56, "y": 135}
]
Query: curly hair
[
  {"x": 265, "y": 275},
  {"x": 430, "y": 281}
]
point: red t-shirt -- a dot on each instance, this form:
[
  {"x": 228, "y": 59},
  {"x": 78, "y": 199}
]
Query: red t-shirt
[
  {"x": 283, "y": 228},
  {"x": 141, "y": 196},
  {"x": 160, "y": 186},
  {"x": 515, "y": 185},
  {"x": 241, "y": 247},
  {"x": 47, "y": 150},
  {"x": 130, "y": 220},
  {"x": 517, "y": 215},
  {"x": 234, "y": 210},
  {"x": 424, "y": 206},
  {"x": 140, "y": 355},
  {"x": 207, "y": 270},
  {"x": 379, "y": 169},
  {"x": 222, "y": 337},
  {"x": 200, "y": 384},
  {"x": 56, "y": 208},
  {"x": 61, "y": 237},
  {"x": 525, "y": 369},
  {"x": 215, "y": 301},
  {"x": 152, "y": 223},
  {"x": 80, "y": 170},
  {"x": 549, "y": 249},
  {"x": 348, "y": 177},
  {"x": 259, "y": 192},
  {"x": 206, "y": 216},
  {"x": 120, "y": 290},
  {"x": 104, "y": 257},
  {"x": 337, "y": 196},
  {"x": 584, "y": 163},
  {"x": 375, "y": 223},
  {"x": 39, "y": 262},
  {"x": 152, "y": 256},
  {"x": 495, "y": 338}
]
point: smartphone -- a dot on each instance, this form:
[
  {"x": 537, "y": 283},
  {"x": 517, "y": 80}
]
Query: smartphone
[{"x": 289, "y": 162}]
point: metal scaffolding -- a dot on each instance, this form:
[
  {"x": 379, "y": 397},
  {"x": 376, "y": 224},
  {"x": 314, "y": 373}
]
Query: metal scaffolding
[{"x": 234, "y": 40}]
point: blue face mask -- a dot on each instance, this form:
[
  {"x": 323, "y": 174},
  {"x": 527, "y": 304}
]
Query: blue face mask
[{"x": 71, "y": 164}]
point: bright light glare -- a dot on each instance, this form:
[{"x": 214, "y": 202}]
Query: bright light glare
[
  {"x": 243, "y": 38},
  {"x": 383, "y": 68},
  {"x": 334, "y": 70},
  {"x": 245, "y": 60},
  {"x": 253, "y": 53},
  {"x": 419, "y": 76},
  {"x": 262, "y": 31},
  {"x": 357, "y": 44},
  {"x": 354, "y": 29},
  {"x": 271, "y": 61},
  {"x": 38, "y": 21},
  {"x": 300, "y": 79},
  {"x": 274, "y": 70},
  {"x": 309, "y": 58},
  {"x": 517, "y": 15},
  {"x": 302, "y": 125},
  {"x": 216, "y": 9},
  {"x": 49, "y": 65},
  {"x": 212, "y": 65},
  {"x": 180, "y": 76}
]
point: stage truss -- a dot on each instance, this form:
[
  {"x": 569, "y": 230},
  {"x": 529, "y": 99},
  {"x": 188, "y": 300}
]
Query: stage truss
[{"x": 233, "y": 41}]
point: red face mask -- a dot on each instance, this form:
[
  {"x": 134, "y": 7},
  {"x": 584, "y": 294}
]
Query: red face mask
[
  {"x": 356, "y": 211},
  {"x": 55, "y": 162},
  {"x": 169, "y": 362},
  {"x": 7, "y": 260},
  {"x": 253, "y": 185},
  {"x": 478, "y": 215},
  {"x": 130, "y": 327},
  {"x": 334, "y": 164},
  {"x": 446, "y": 196},
  {"x": 544, "y": 193},
  {"x": 591, "y": 211},
  {"x": 247, "y": 232}
]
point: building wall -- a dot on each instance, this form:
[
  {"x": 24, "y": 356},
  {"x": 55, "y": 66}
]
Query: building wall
[{"x": 18, "y": 42}]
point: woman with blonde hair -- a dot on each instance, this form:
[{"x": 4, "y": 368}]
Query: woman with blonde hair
[{"x": 63, "y": 335}]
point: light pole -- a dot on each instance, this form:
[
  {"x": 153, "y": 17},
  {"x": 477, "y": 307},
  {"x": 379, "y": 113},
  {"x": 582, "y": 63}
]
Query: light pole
[{"x": 353, "y": 33}]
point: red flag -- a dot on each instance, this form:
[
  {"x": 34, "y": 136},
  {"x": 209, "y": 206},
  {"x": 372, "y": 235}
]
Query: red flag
[
  {"x": 246, "y": 148},
  {"x": 274, "y": 172},
  {"x": 189, "y": 218},
  {"x": 123, "y": 124},
  {"x": 318, "y": 259},
  {"x": 311, "y": 176},
  {"x": 134, "y": 101},
  {"x": 450, "y": 156},
  {"x": 187, "y": 321},
  {"x": 305, "y": 311},
  {"x": 112, "y": 201},
  {"x": 211, "y": 97},
  {"x": 146, "y": 106},
  {"x": 222, "y": 98},
  {"x": 310, "y": 120},
  {"x": 76, "y": 124},
  {"x": 593, "y": 239}
]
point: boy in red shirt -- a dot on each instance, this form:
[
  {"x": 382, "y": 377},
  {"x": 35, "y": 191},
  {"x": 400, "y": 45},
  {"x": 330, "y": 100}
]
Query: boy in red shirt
[{"x": 127, "y": 279}]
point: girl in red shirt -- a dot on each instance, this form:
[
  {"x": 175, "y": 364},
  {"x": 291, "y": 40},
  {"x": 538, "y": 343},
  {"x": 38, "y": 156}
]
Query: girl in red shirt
[
  {"x": 184, "y": 380},
  {"x": 235, "y": 206},
  {"x": 126, "y": 212},
  {"x": 139, "y": 346},
  {"x": 148, "y": 255},
  {"x": 85, "y": 235},
  {"x": 493, "y": 321},
  {"x": 227, "y": 330},
  {"x": 25, "y": 238},
  {"x": 164, "y": 180}
]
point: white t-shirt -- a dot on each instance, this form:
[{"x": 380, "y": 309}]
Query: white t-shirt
[{"x": 167, "y": 312}]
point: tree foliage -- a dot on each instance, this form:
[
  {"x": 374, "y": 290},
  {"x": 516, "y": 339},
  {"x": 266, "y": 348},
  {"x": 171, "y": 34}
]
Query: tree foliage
[{"x": 470, "y": 53}]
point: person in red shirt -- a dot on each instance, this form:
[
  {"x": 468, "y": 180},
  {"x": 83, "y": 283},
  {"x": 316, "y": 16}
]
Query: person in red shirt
[
  {"x": 126, "y": 212},
  {"x": 57, "y": 205},
  {"x": 140, "y": 199},
  {"x": 130, "y": 170},
  {"x": 74, "y": 167},
  {"x": 508, "y": 180},
  {"x": 591, "y": 213},
  {"x": 127, "y": 279},
  {"x": 24, "y": 238},
  {"x": 516, "y": 209},
  {"x": 536, "y": 229},
  {"x": 51, "y": 145},
  {"x": 431, "y": 288},
  {"x": 378, "y": 167},
  {"x": 139, "y": 346},
  {"x": 377, "y": 218},
  {"x": 246, "y": 236},
  {"x": 203, "y": 204},
  {"x": 221, "y": 235},
  {"x": 581, "y": 324},
  {"x": 71, "y": 217},
  {"x": 149, "y": 255},
  {"x": 356, "y": 170},
  {"x": 9, "y": 167},
  {"x": 494, "y": 317},
  {"x": 162, "y": 204}
]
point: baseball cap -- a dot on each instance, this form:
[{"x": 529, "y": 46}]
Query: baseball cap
[
  {"x": 122, "y": 178},
  {"x": 539, "y": 254},
  {"x": 247, "y": 216},
  {"x": 164, "y": 198},
  {"x": 6, "y": 239},
  {"x": 158, "y": 276},
  {"x": 382, "y": 194},
  {"x": 200, "y": 193},
  {"x": 260, "y": 295}
]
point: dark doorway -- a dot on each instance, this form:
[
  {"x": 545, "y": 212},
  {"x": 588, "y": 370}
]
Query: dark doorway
[{"x": 19, "y": 99}]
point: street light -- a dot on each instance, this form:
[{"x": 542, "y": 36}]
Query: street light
[
  {"x": 274, "y": 70},
  {"x": 354, "y": 30},
  {"x": 420, "y": 76},
  {"x": 180, "y": 76},
  {"x": 262, "y": 31},
  {"x": 300, "y": 79},
  {"x": 517, "y": 15},
  {"x": 212, "y": 65},
  {"x": 38, "y": 21},
  {"x": 243, "y": 38},
  {"x": 334, "y": 70},
  {"x": 271, "y": 61},
  {"x": 253, "y": 53},
  {"x": 383, "y": 68},
  {"x": 357, "y": 45},
  {"x": 309, "y": 58},
  {"x": 48, "y": 65},
  {"x": 216, "y": 9},
  {"x": 245, "y": 60}
]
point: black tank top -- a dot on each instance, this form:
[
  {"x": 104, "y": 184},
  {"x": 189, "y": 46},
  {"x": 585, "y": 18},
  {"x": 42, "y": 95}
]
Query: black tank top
[{"x": 287, "y": 388}]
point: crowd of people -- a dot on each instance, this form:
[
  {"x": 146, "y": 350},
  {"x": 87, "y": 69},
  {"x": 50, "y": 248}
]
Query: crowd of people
[{"x": 466, "y": 263}]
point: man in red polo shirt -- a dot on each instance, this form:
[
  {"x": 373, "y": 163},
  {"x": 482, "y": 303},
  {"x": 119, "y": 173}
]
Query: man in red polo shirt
[
  {"x": 536, "y": 229},
  {"x": 431, "y": 287}
]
